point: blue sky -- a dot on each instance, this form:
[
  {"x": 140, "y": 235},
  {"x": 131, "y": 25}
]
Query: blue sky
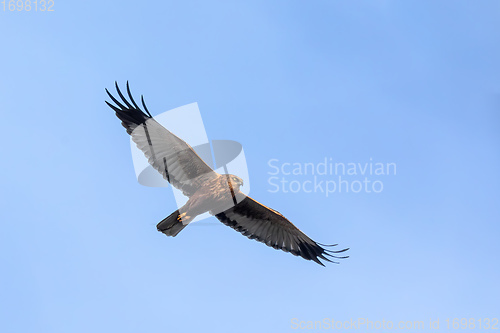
[{"x": 414, "y": 83}]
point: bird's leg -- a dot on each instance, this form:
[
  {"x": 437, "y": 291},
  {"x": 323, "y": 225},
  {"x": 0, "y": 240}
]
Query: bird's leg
[
  {"x": 183, "y": 216},
  {"x": 190, "y": 210}
]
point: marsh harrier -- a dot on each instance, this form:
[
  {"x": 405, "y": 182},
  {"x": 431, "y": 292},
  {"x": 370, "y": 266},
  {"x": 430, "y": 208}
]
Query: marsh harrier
[{"x": 207, "y": 190}]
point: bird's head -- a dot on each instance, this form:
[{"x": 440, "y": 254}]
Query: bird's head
[{"x": 236, "y": 181}]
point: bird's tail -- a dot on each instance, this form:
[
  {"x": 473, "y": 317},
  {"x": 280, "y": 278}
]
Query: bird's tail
[{"x": 172, "y": 224}]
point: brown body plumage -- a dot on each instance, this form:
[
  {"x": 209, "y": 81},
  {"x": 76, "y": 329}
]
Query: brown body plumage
[{"x": 216, "y": 196}]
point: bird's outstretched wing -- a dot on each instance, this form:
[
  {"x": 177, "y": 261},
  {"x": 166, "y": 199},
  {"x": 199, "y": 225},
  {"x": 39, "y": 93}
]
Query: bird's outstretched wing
[
  {"x": 168, "y": 154},
  {"x": 266, "y": 225}
]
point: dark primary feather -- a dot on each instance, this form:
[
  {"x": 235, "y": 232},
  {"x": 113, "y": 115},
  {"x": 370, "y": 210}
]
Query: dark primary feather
[
  {"x": 167, "y": 153},
  {"x": 256, "y": 221}
]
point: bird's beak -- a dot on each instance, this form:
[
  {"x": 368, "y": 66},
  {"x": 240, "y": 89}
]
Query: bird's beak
[{"x": 241, "y": 183}]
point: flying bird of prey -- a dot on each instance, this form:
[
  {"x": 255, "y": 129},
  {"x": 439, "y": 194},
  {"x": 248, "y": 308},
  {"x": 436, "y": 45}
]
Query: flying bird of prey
[{"x": 209, "y": 191}]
